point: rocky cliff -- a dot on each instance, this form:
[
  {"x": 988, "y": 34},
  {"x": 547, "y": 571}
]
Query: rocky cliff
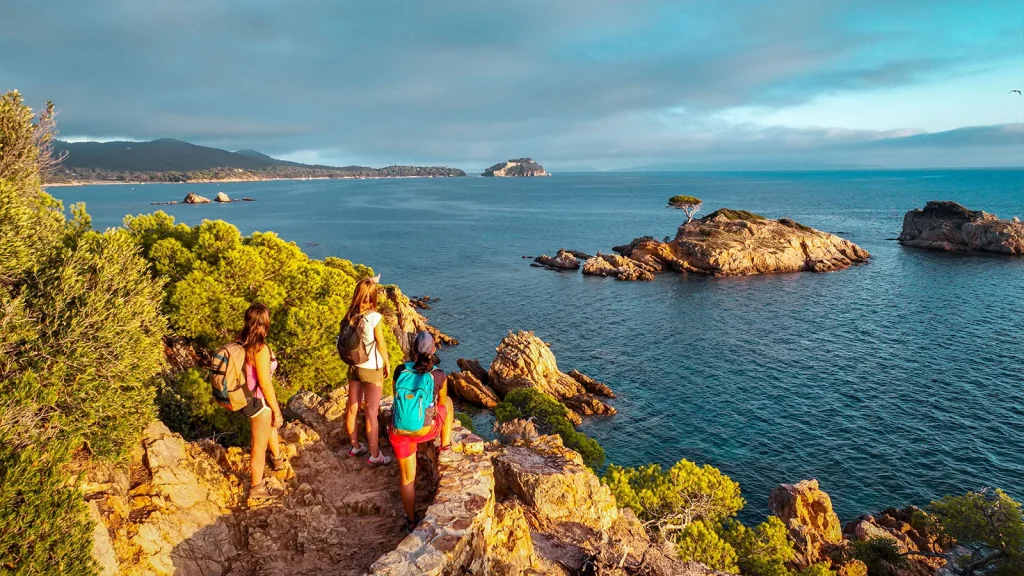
[
  {"x": 516, "y": 167},
  {"x": 948, "y": 226}
]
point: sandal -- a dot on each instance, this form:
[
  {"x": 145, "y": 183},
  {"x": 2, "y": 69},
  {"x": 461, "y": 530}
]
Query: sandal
[{"x": 357, "y": 450}]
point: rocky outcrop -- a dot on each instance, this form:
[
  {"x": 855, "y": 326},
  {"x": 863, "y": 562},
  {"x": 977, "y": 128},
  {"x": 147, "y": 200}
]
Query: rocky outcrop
[
  {"x": 807, "y": 512},
  {"x": 950, "y": 227},
  {"x": 516, "y": 167},
  {"x": 222, "y": 197},
  {"x": 897, "y": 526},
  {"x": 619, "y": 267},
  {"x": 473, "y": 367},
  {"x": 405, "y": 321},
  {"x": 523, "y": 360},
  {"x": 469, "y": 388},
  {"x": 561, "y": 261},
  {"x": 193, "y": 198},
  {"x": 591, "y": 385},
  {"x": 735, "y": 242}
]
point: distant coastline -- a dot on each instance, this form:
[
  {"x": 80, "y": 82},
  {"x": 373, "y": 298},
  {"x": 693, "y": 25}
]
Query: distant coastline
[{"x": 224, "y": 180}]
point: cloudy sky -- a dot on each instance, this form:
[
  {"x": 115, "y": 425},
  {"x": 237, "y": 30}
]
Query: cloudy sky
[{"x": 573, "y": 83}]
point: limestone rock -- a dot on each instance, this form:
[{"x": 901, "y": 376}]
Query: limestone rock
[
  {"x": 554, "y": 483},
  {"x": 473, "y": 367},
  {"x": 510, "y": 547},
  {"x": 735, "y": 242},
  {"x": 222, "y": 197},
  {"x": 591, "y": 385},
  {"x": 466, "y": 386},
  {"x": 807, "y": 512},
  {"x": 405, "y": 321},
  {"x": 562, "y": 261},
  {"x": 516, "y": 167},
  {"x": 588, "y": 405},
  {"x": 895, "y": 525},
  {"x": 516, "y": 431},
  {"x": 948, "y": 226},
  {"x": 193, "y": 198}
]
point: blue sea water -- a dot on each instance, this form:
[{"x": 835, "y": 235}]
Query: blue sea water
[{"x": 892, "y": 383}]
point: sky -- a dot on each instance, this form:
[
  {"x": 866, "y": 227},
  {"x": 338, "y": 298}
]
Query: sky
[{"x": 575, "y": 84}]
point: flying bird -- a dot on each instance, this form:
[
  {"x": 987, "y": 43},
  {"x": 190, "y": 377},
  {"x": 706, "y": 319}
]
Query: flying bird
[{"x": 1012, "y": 91}]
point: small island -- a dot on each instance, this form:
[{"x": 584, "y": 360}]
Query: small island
[
  {"x": 950, "y": 227},
  {"x": 516, "y": 167},
  {"x": 723, "y": 243}
]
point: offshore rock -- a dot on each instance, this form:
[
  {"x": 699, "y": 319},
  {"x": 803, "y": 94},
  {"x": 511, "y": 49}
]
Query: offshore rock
[
  {"x": 948, "y": 226},
  {"x": 735, "y": 242},
  {"x": 525, "y": 361},
  {"x": 588, "y": 405},
  {"x": 468, "y": 387},
  {"x": 807, "y": 512},
  {"x": 193, "y": 198},
  {"x": 222, "y": 197},
  {"x": 473, "y": 366},
  {"x": 591, "y": 385},
  {"x": 620, "y": 267},
  {"x": 516, "y": 167},
  {"x": 405, "y": 321},
  {"x": 562, "y": 261}
]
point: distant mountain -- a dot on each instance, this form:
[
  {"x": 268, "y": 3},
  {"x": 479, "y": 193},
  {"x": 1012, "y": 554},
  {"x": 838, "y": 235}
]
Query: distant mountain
[{"x": 169, "y": 160}]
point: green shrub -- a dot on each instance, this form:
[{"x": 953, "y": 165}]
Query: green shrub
[
  {"x": 701, "y": 542},
  {"x": 550, "y": 418},
  {"x": 990, "y": 525},
  {"x": 184, "y": 402},
  {"x": 735, "y": 215},
  {"x": 466, "y": 420},
  {"x": 881, "y": 555},
  {"x": 212, "y": 274},
  {"x": 80, "y": 346}
]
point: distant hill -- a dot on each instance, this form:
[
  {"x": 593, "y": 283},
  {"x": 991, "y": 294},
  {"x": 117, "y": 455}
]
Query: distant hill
[
  {"x": 516, "y": 167},
  {"x": 169, "y": 160}
]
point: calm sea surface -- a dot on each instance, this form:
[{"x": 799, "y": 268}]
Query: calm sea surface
[{"x": 892, "y": 383}]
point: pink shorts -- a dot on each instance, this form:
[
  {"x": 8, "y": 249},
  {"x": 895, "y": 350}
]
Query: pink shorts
[{"x": 405, "y": 446}]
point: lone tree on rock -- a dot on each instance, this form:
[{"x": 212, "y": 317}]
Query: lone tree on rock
[{"x": 688, "y": 204}]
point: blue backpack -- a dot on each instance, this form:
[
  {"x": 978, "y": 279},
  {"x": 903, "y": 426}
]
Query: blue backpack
[{"x": 414, "y": 392}]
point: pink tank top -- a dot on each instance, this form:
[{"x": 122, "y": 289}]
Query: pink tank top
[{"x": 252, "y": 379}]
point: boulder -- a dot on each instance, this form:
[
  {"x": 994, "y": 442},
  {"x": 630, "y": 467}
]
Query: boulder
[
  {"x": 896, "y": 526},
  {"x": 473, "y": 367},
  {"x": 807, "y": 512},
  {"x": 621, "y": 267},
  {"x": 735, "y": 242},
  {"x": 562, "y": 261},
  {"x": 588, "y": 405},
  {"x": 523, "y": 360},
  {"x": 591, "y": 385},
  {"x": 222, "y": 197},
  {"x": 950, "y": 227},
  {"x": 193, "y": 198},
  {"x": 468, "y": 387}
]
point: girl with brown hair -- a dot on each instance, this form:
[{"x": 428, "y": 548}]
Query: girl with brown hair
[
  {"x": 263, "y": 410},
  {"x": 366, "y": 380}
]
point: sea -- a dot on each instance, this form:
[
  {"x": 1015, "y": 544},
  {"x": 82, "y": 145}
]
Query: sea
[{"x": 892, "y": 383}]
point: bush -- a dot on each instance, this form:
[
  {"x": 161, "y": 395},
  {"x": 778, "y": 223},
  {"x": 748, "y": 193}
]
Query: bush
[
  {"x": 990, "y": 525},
  {"x": 80, "y": 345},
  {"x": 881, "y": 555},
  {"x": 184, "y": 402},
  {"x": 466, "y": 420},
  {"x": 700, "y": 542},
  {"x": 550, "y": 418},
  {"x": 212, "y": 274}
]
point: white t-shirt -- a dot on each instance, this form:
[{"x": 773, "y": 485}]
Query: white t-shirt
[{"x": 367, "y": 323}]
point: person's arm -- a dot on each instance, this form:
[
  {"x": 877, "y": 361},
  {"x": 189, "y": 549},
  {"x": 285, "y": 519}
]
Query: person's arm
[
  {"x": 267, "y": 385},
  {"x": 382, "y": 346}
]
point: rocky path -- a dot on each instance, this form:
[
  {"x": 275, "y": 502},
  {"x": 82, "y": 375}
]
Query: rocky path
[{"x": 182, "y": 508}]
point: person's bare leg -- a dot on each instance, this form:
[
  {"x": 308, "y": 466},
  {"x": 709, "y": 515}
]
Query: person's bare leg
[
  {"x": 355, "y": 393},
  {"x": 446, "y": 426},
  {"x": 260, "y": 438},
  {"x": 407, "y": 489},
  {"x": 372, "y": 394},
  {"x": 275, "y": 443}
]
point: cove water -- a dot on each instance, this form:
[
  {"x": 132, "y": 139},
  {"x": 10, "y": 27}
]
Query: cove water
[{"x": 893, "y": 382}]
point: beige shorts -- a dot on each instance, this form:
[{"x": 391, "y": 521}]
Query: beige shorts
[{"x": 369, "y": 375}]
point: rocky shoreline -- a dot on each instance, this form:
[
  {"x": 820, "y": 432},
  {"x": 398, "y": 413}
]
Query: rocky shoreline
[
  {"x": 950, "y": 227},
  {"x": 723, "y": 243}
]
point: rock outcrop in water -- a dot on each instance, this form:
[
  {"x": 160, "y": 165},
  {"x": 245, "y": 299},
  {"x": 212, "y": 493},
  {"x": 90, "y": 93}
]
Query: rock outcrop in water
[
  {"x": 222, "y": 197},
  {"x": 193, "y": 198},
  {"x": 516, "y": 167},
  {"x": 562, "y": 261},
  {"x": 950, "y": 227},
  {"x": 729, "y": 243}
]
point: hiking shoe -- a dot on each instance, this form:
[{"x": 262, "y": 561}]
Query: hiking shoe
[
  {"x": 410, "y": 526},
  {"x": 380, "y": 460},
  {"x": 446, "y": 454},
  {"x": 357, "y": 450},
  {"x": 279, "y": 464},
  {"x": 263, "y": 492}
]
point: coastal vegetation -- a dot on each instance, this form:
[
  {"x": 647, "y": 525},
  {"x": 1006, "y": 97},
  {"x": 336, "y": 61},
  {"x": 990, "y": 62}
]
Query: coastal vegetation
[
  {"x": 549, "y": 416},
  {"x": 690, "y": 205}
]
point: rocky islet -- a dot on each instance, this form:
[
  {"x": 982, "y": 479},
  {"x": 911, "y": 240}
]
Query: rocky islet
[{"x": 950, "y": 227}]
